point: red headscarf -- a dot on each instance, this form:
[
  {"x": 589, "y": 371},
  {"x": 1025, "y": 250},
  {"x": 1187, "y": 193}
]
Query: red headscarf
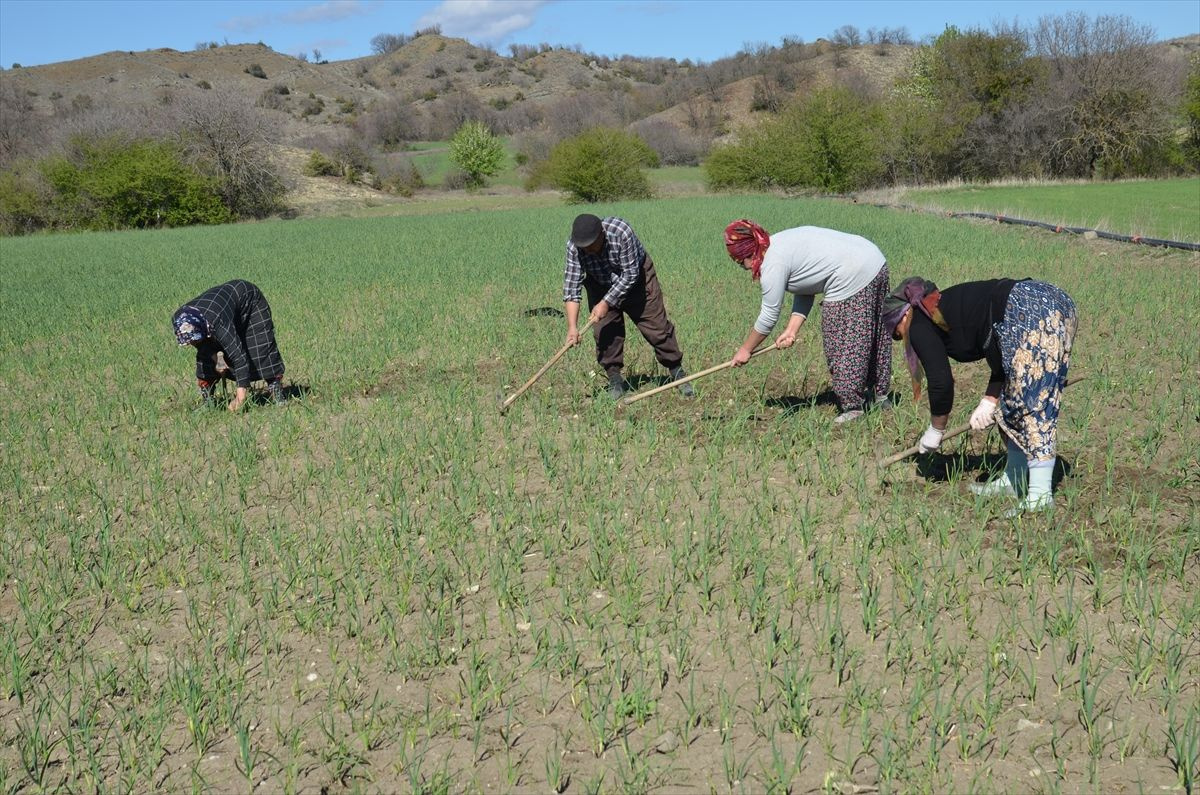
[{"x": 745, "y": 239}]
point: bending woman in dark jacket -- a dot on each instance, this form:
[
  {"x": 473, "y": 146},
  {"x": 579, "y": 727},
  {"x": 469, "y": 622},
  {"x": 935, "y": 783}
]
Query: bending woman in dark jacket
[
  {"x": 1024, "y": 329},
  {"x": 232, "y": 319}
]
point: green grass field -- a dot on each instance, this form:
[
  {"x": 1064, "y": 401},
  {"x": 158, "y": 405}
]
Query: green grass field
[
  {"x": 1165, "y": 209},
  {"x": 388, "y": 586},
  {"x": 432, "y": 159}
]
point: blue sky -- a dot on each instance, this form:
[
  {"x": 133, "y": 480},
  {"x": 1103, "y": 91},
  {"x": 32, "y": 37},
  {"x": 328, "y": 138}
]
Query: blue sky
[{"x": 45, "y": 31}]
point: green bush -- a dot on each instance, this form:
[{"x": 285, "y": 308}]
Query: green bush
[
  {"x": 601, "y": 164},
  {"x": 255, "y": 70},
  {"x": 114, "y": 184},
  {"x": 319, "y": 165},
  {"x": 1191, "y": 114},
  {"x": 24, "y": 202},
  {"x": 477, "y": 152},
  {"x": 833, "y": 142}
]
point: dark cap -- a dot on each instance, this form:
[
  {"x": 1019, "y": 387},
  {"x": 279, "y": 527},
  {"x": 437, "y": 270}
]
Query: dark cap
[{"x": 585, "y": 230}]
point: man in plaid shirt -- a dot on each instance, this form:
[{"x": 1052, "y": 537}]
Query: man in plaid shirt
[
  {"x": 231, "y": 329},
  {"x": 606, "y": 258}
]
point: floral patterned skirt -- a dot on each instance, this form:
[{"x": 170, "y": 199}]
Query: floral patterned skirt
[{"x": 1035, "y": 342}]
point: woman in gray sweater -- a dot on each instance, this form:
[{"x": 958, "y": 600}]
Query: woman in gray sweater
[{"x": 852, "y": 274}]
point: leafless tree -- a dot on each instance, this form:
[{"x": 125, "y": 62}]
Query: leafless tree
[
  {"x": 1106, "y": 90},
  {"x": 21, "y": 129},
  {"x": 446, "y": 114},
  {"x": 230, "y": 138},
  {"x": 846, "y": 36},
  {"x": 674, "y": 147},
  {"x": 390, "y": 123},
  {"x": 574, "y": 114}
]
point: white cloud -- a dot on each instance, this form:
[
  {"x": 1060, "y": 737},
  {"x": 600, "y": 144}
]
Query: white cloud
[
  {"x": 325, "y": 12},
  {"x": 329, "y": 11},
  {"x": 245, "y": 24},
  {"x": 482, "y": 20}
]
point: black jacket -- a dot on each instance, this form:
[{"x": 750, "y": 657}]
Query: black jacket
[
  {"x": 971, "y": 310},
  {"x": 239, "y": 322}
]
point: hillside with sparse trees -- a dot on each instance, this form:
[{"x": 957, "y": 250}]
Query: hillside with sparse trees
[{"x": 1071, "y": 96}]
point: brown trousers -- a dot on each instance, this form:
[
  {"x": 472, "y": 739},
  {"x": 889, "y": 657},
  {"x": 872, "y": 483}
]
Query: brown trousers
[{"x": 644, "y": 306}]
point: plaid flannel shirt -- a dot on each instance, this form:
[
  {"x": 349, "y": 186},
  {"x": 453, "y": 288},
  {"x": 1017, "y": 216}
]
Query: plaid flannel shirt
[
  {"x": 239, "y": 321},
  {"x": 617, "y": 267}
]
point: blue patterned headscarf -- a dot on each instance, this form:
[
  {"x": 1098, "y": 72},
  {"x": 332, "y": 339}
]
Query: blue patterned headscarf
[{"x": 190, "y": 325}]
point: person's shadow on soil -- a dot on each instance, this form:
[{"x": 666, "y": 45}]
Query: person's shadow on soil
[
  {"x": 262, "y": 397},
  {"x": 636, "y": 382},
  {"x": 941, "y": 468},
  {"x": 792, "y": 404},
  {"x": 543, "y": 311}
]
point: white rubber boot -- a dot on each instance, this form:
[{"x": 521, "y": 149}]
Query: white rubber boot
[{"x": 1040, "y": 496}]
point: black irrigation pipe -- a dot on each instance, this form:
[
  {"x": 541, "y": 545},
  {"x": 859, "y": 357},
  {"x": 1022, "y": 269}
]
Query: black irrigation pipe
[{"x": 1058, "y": 228}]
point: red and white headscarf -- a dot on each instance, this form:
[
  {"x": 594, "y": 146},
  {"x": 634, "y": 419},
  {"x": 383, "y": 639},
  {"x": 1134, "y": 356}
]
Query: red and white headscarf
[{"x": 744, "y": 240}]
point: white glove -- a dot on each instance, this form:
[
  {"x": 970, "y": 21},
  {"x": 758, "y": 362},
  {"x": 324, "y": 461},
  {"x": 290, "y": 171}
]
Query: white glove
[
  {"x": 930, "y": 440},
  {"x": 984, "y": 415}
]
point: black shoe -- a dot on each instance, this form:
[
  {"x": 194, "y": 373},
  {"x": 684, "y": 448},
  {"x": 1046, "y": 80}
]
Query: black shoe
[
  {"x": 684, "y": 389},
  {"x": 616, "y": 385}
]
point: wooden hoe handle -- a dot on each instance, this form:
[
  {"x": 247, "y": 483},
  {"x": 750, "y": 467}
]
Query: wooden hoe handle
[
  {"x": 692, "y": 377},
  {"x": 509, "y": 400}
]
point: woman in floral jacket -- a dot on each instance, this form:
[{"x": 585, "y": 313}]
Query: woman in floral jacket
[{"x": 1025, "y": 330}]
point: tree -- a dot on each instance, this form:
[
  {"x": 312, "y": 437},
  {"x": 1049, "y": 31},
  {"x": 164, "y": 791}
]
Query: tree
[
  {"x": 833, "y": 141},
  {"x": 1191, "y": 114},
  {"x": 960, "y": 96},
  {"x": 477, "y": 152},
  {"x": 846, "y": 36},
  {"x": 1107, "y": 98},
  {"x": 21, "y": 130},
  {"x": 602, "y": 164},
  {"x": 226, "y": 136},
  {"x": 386, "y": 43}
]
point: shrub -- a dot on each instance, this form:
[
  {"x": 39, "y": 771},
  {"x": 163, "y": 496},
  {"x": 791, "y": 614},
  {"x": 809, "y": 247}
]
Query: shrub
[
  {"x": 271, "y": 100},
  {"x": 254, "y": 70},
  {"x": 204, "y": 84},
  {"x": 598, "y": 165},
  {"x": 402, "y": 180},
  {"x": 319, "y": 165},
  {"x": 456, "y": 180},
  {"x": 311, "y": 106},
  {"x": 833, "y": 141},
  {"x": 477, "y": 152},
  {"x": 24, "y": 203},
  {"x": 114, "y": 184}
]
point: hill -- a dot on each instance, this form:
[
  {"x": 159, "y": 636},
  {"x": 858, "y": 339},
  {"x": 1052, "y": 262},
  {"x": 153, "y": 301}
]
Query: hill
[
  {"x": 366, "y": 109},
  {"x": 433, "y": 67}
]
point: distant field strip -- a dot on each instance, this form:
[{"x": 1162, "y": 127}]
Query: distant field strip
[{"x": 1168, "y": 209}]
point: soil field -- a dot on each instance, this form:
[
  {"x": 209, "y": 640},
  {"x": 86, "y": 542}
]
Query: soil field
[{"x": 388, "y": 586}]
